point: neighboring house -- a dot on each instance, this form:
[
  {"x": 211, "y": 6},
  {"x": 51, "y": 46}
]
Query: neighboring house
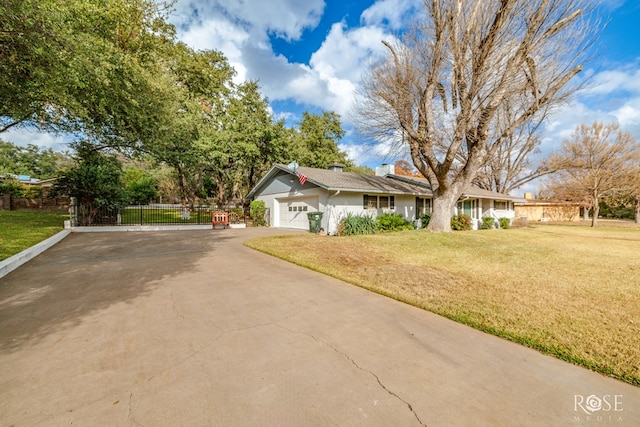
[
  {"x": 546, "y": 210},
  {"x": 290, "y": 195}
]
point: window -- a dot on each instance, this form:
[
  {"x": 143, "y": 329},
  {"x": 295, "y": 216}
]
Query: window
[
  {"x": 423, "y": 205},
  {"x": 384, "y": 202},
  {"x": 370, "y": 202},
  {"x": 500, "y": 205},
  {"x": 378, "y": 202},
  {"x": 298, "y": 208}
]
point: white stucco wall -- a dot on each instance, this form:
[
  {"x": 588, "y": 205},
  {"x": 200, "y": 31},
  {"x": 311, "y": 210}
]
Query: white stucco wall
[
  {"x": 336, "y": 204},
  {"x": 341, "y": 204}
]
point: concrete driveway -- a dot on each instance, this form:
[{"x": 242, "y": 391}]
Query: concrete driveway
[{"x": 191, "y": 328}]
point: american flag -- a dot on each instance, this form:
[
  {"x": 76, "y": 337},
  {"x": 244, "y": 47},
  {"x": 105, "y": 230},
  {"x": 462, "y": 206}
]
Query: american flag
[{"x": 302, "y": 178}]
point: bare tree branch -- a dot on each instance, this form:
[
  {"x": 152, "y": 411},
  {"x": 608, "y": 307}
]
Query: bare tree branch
[
  {"x": 444, "y": 88},
  {"x": 595, "y": 162}
]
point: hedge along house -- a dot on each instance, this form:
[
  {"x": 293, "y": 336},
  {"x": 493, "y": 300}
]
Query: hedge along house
[{"x": 290, "y": 193}]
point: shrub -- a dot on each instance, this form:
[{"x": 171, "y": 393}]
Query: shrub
[
  {"x": 461, "y": 222},
  {"x": 488, "y": 223},
  {"x": 31, "y": 192},
  {"x": 352, "y": 225},
  {"x": 12, "y": 187},
  {"x": 424, "y": 220},
  {"x": 392, "y": 222},
  {"x": 504, "y": 223},
  {"x": 143, "y": 191},
  {"x": 257, "y": 210}
]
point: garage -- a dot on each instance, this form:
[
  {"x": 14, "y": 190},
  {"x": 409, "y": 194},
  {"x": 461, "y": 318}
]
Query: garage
[{"x": 293, "y": 212}]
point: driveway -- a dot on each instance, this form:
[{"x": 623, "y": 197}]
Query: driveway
[{"x": 191, "y": 328}]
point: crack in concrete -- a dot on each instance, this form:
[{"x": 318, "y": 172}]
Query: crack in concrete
[
  {"x": 354, "y": 363},
  {"x": 132, "y": 417},
  {"x": 201, "y": 349},
  {"x": 175, "y": 308}
]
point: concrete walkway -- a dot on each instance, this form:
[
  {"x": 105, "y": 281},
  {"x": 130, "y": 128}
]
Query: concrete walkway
[{"x": 191, "y": 328}]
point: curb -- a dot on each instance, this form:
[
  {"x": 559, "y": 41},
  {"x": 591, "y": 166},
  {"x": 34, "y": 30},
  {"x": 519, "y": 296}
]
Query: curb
[
  {"x": 112, "y": 228},
  {"x": 15, "y": 261}
]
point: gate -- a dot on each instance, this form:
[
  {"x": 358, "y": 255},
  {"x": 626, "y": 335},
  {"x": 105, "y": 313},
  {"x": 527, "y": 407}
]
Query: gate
[{"x": 157, "y": 214}]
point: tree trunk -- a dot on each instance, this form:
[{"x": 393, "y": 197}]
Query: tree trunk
[
  {"x": 443, "y": 205},
  {"x": 637, "y": 210},
  {"x": 596, "y": 212}
]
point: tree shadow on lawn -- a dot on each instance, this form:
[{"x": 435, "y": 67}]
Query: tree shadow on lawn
[{"x": 87, "y": 272}]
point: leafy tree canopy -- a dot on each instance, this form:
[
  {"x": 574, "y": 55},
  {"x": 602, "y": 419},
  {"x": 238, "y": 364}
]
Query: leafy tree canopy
[
  {"x": 95, "y": 179},
  {"x": 74, "y": 65},
  {"x": 31, "y": 160},
  {"x": 317, "y": 140}
]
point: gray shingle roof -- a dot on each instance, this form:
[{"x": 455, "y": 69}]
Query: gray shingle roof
[
  {"x": 346, "y": 181},
  {"x": 390, "y": 184}
]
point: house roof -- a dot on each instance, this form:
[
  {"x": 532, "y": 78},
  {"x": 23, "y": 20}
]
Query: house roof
[
  {"x": 346, "y": 181},
  {"x": 389, "y": 184},
  {"x": 349, "y": 181},
  {"x": 540, "y": 202},
  {"x": 471, "y": 191}
]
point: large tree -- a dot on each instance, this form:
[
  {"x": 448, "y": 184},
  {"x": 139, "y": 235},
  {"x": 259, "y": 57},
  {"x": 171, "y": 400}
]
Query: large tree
[
  {"x": 442, "y": 88},
  {"x": 76, "y": 66},
  {"x": 317, "y": 140},
  {"x": 31, "y": 160},
  {"x": 633, "y": 187},
  {"x": 512, "y": 164},
  {"x": 95, "y": 180},
  {"x": 596, "y": 161}
]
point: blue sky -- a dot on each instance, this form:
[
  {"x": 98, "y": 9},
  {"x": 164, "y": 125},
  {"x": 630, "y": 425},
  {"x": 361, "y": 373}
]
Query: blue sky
[{"x": 309, "y": 55}]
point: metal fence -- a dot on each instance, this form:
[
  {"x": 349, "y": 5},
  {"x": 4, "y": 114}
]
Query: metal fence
[{"x": 87, "y": 215}]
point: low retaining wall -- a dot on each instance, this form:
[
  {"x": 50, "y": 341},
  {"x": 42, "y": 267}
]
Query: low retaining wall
[
  {"x": 56, "y": 204},
  {"x": 15, "y": 261}
]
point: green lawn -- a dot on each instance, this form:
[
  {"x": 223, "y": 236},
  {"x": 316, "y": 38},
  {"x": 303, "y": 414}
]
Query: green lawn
[
  {"x": 135, "y": 215},
  {"x": 20, "y": 230},
  {"x": 573, "y": 292}
]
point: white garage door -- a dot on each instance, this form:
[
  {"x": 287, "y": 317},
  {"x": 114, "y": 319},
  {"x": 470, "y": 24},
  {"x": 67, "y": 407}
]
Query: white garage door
[{"x": 293, "y": 212}]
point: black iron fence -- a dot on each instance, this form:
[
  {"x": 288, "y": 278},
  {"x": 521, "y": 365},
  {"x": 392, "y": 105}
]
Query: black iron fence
[{"x": 158, "y": 214}]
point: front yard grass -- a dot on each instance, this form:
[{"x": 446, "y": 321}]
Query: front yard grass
[
  {"x": 572, "y": 292},
  {"x": 20, "y": 230}
]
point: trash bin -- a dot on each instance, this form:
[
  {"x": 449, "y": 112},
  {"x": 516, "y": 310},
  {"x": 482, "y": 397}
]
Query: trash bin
[{"x": 315, "y": 221}]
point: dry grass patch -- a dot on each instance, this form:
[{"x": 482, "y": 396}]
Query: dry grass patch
[{"x": 572, "y": 292}]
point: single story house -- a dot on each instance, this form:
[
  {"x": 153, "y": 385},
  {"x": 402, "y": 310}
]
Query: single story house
[
  {"x": 546, "y": 210},
  {"x": 290, "y": 193}
]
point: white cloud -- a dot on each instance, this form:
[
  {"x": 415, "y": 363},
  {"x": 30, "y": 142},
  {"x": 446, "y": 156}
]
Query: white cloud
[
  {"x": 240, "y": 29},
  {"x": 340, "y": 61},
  {"x": 285, "y": 18},
  {"x": 615, "y": 81},
  {"x": 223, "y": 36},
  {"x": 26, "y": 136},
  {"x": 612, "y": 96},
  {"x": 391, "y": 13},
  {"x": 370, "y": 154}
]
